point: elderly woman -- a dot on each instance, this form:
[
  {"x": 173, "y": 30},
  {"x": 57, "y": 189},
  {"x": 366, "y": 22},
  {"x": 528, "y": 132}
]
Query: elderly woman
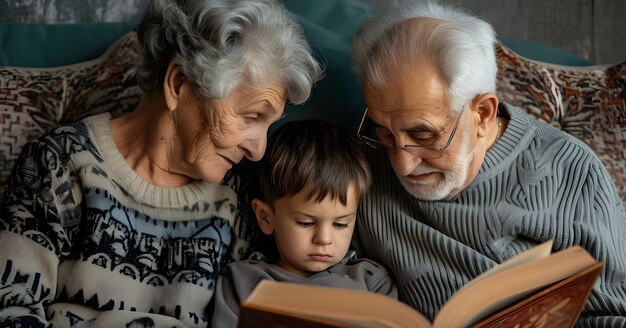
[{"x": 127, "y": 221}]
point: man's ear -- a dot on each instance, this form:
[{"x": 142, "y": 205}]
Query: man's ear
[
  {"x": 263, "y": 211},
  {"x": 486, "y": 108},
  {"x": 173, "y": 85}
]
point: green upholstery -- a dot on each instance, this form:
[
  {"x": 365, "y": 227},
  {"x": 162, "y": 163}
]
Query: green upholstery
[
  {"x": 330, "y": 26},
  {"x": 50, "y": 45}
]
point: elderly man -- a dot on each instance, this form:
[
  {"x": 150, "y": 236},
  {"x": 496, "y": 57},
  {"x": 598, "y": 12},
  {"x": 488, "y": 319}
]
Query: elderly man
[{"x": 463, "y": 182}]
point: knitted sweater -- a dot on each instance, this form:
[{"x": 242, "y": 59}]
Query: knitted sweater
[
  {"x": 536, "y": 183},
  {"x": 87, "y": 242},
  {"x": 238, "y": 279}
]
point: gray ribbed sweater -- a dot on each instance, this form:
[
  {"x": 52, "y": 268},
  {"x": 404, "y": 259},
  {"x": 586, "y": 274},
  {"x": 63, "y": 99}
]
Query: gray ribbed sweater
[{"x": 536, "y": 183}]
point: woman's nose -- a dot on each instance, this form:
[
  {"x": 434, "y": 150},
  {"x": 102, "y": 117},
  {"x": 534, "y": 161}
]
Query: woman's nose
[{"x": 255, "y": 148}]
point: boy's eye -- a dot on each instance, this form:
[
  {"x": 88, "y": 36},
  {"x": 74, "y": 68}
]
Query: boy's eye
[
  {"x": 340, "y": 225},
  {"x": 305, "y": 223}
]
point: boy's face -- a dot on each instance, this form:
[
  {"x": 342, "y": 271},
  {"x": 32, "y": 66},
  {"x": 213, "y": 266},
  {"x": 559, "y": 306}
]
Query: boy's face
[{"x": 310, "y": 236}]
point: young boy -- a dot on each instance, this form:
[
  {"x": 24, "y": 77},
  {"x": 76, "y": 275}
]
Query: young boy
[{"x": 312, "y": 177}]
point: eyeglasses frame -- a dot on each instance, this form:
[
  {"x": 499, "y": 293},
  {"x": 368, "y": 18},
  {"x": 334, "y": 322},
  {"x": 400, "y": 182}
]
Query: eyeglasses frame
[{"x": 391, "y": 148}]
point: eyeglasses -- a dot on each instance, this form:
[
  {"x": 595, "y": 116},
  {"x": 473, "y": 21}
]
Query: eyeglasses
[{"x": 429, "y": 151}]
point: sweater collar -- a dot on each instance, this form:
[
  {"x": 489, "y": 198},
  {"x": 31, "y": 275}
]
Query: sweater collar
[{"x": 512, "y": 142}]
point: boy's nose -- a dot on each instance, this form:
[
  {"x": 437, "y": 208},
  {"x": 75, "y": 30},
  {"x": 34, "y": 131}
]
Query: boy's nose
[{"x": 323, "y": 237}]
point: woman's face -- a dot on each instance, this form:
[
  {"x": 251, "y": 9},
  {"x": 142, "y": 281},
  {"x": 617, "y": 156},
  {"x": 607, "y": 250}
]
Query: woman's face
[{"x": 213, "y": 135}]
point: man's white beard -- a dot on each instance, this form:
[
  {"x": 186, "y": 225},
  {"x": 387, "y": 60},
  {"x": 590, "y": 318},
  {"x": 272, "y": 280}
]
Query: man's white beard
[{"x": 436, "y": 188}]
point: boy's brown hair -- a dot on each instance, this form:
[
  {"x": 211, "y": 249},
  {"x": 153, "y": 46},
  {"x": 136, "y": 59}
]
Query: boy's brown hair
[{"x": 321, "y": 155}]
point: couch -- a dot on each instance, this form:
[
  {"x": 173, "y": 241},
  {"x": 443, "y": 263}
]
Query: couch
[{"x": 52, "y": 75}]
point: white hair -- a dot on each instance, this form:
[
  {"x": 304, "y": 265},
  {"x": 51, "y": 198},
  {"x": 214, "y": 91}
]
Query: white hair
[
  {"x": 223, "y": 45},
  {"x": 460, "y": 44}
]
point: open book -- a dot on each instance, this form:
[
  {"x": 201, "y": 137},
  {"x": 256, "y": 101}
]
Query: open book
[{"x": 537, "y": 286}]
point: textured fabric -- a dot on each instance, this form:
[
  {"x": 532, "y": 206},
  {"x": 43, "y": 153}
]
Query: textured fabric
[
  {"x": 34, "y": 101},
  {"x": 586, "y": 102},
  {"x": 81, "y": 228},
  {"x": 238, "y": 279},
  {"x": 536, "y": 184}
]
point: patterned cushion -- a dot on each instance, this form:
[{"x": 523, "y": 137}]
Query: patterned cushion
[
  {"x": 587, "y": 102},
  {"x": 36, "y": 100}
]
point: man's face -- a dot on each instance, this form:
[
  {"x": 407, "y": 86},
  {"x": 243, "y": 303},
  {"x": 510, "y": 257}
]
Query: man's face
[{"x": 413, "y": 109}]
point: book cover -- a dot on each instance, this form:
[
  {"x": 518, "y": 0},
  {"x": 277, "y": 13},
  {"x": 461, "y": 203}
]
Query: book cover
[{"x": 555, "y": 306}]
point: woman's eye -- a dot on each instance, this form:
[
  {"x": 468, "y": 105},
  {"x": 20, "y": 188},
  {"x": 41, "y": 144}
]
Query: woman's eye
[
  {"x": 305, "y": 223},
  {"x": 251, "y": 118}
]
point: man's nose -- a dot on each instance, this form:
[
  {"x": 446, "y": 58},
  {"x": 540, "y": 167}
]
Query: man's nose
[{"x": 404, "y": 162}]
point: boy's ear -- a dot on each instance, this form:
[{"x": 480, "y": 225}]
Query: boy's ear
[{"x": 263, "y": 211}]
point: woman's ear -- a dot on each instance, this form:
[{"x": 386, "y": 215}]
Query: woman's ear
[
  {"x": 173, "y": 85},
  {"x": 263, "y": 211},
  {"x": 486, "y": 108}
]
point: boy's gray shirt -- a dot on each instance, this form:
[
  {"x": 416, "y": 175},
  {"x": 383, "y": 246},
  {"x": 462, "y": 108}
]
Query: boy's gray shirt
[{"x": 238, "y": 279}]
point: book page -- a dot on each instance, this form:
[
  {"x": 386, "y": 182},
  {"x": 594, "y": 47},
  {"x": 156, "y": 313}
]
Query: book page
[
  {"x": 503, "y": 287},
  {"x": 338, "y": 304}
]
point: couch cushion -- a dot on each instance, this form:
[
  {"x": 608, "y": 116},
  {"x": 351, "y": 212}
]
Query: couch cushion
[
  {"x": 36, "y": 100},
  {"x": 587, "y": 102},
  {"x": 52, "y": 45}
]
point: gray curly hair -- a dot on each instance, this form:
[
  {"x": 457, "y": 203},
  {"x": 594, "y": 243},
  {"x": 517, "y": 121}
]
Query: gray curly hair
[{"x": 223, "y": 45}]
